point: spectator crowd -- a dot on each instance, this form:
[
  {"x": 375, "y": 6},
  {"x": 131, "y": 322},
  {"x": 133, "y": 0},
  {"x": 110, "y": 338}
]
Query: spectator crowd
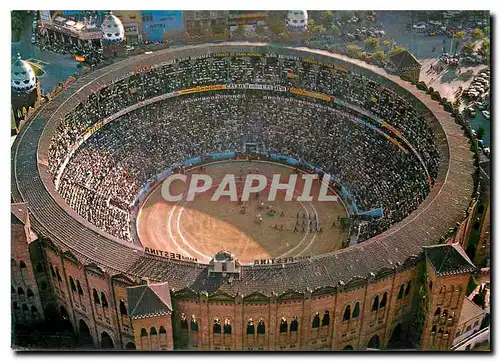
[{"x": 104, "y": 175}]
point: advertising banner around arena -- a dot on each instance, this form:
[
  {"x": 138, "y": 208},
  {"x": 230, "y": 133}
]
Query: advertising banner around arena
[
  {"x": 377, "y": 212},
  {"x": 192, "y": 161},
  {"x": 200, "y": 89},
  {"x": 223, "y": 155},
  {"x": 311, "y": 94},
  {"x": 278, "y": 88}
]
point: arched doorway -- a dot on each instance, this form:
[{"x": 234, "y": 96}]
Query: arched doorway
[
  {"x": 85, "y": 337},
  {"x": 130, "y": 346},
  {"x": 374, "y": 343},
  {"x": 51, "y": 316},
  {"x": 348, "y": 348},
  {"x": 396, "y": 340},
  {"x": 65, "y": 322},
  {"x": 106, "y": 341}
]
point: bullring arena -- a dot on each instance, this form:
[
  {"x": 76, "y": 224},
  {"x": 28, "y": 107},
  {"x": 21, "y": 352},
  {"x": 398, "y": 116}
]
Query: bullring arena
[
  {"x": 89, "y": 169},
  {"x": 201, "y": 228}
]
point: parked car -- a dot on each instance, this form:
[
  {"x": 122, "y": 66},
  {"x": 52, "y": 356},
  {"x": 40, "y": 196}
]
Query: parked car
[
  {"x": 33, "y": 40},
  {"x": 486, "y": 114}
]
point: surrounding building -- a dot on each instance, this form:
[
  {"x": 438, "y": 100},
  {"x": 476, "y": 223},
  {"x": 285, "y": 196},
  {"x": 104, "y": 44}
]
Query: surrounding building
[
  {"x": 405, "y": 65},
  {"x": 132, "y": 23},
  {"x": 199, "y": 23},
  {"x": 25, "y": 93},
  {"x": 161, "y": 25},
  {"x": 246, "y": 21}
]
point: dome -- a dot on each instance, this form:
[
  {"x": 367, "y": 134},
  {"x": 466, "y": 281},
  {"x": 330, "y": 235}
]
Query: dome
[
  {"x": 23, "y": 76},
  {"x": 112, "y": 30},
  {"x": 297, "y": 20}
]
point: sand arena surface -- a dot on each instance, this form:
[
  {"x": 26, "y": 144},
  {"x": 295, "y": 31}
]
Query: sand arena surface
[{"x": 200, "y": 228}]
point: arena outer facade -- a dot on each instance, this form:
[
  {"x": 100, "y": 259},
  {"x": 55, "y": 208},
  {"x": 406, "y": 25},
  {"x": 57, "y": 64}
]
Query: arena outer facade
[{"x": 114, "y": 295}]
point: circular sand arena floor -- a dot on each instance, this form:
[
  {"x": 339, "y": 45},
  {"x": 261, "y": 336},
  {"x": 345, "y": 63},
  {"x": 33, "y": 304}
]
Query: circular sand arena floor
[{"x": 200, "y": 228}]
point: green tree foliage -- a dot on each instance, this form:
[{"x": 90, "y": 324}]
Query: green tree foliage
[
  {"x": 468, "y": 47},
  {"x": 326, "y": 17},
  {"x": 388, "y": 43},
  {"x": 335, "y": 30},
  {"x": 353, "y": 51},
  {"x": 396, "y": 50},
  {"x": 373, "y": 43},
  {"x": 17, "y": 24},
  {"x": 277, "y": 27},
  {"x": 379, "y": 56},
  {"x": 477, "y": 34},
  {"x": 460, "y": 35}
]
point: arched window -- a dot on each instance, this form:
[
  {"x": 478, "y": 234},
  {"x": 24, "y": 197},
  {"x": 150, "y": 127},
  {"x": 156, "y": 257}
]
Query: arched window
[
  {"x": 29, "y": 293},
  {"x": 39, "y": 267},
  {"x": 25, "y": 308},
  {"x": 22, "y": 265},
  {"x": 434, "y": 328},
  {"x": 153, "y": 332},
  {"x": 217, "y": 327},
  {"x": 104, "y": 301},
  {"x": 184, "y": 323},
  {"x": 355, "y": 313},
  {"x": 16, "y": 306},
  {"x": 250, "y": 327},
  {"x": 294, "y": 325},
  {"x": 227, "y": 326},
  {"x": 261, "y": 327},
  {"x": 58, "y": 275},
  {"x": 430, "y": 285},
  {"x": 34, "y": 310},
  {"x": 347, "y": 313},
  {"x": 43, "y": 285},
  {"x": 375, "y": 304},
  {"x": 384, "y": 300},
  {"x": 12, "y": 289},
  {"x": 438, "y": 312},
  {"x": 445, "y": 314},
  {"x": 326, "y": 319},
  {"x": 440, "y": 332},
  {"x": 144, "y": 333},
  {"x": 20, "y": 292},
  {"x": 123, "y": 308},
  {"x": 162, "y": 330},
  {"x": 79, "y": 287},
  {"x": 401, "y": 291},
  {"x": 408, "y": 288},
  {"x": 72, "y": 284},
  {"x": 194, "y": 324},
  {"x": 315, "y": 323},
  {"x": 283, "y": 325},
  {"x": 95, "y": 294}
]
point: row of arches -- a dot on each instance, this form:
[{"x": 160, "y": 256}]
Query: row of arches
[
  {"x": 404, "y": 291},
  {"x": 217, "y": 328},
  {"x": 347, "y": 312},
  {"x": 193, "y": 325},
  {"x": 152, "y": 331},
  {"x": 20, "y": 292},
  {"x": 54, "y": 271}
]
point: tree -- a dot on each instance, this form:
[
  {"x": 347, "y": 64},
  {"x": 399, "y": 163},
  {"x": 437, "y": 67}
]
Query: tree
[
  {"x": 396, "y": 50},
  {"x": 477, "y": 34},
  {"x": 326, "y": 17},
  {"x": 459, "y": 36},
  {"x": 346, "y": 16},
  {"x": 468, "y": 47},
  {"x": 353, "y": 51},
  {"x": 373, "y": 43},
  {"x": 379, "y": 56},
  {"x": 277, "y": 27},
  {"x": 388, "y": 43},
  {"x": 335, "y": 30},
  {"x": 319, "y": 30}
]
